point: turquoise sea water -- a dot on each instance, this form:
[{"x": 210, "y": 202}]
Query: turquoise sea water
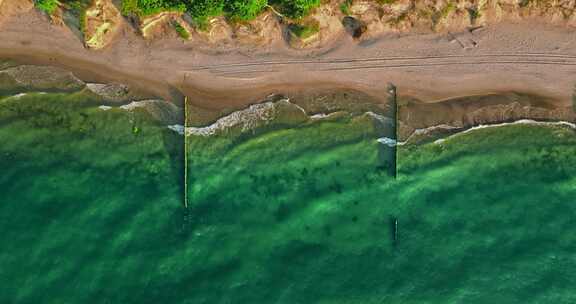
[{"x": 91, "y": 211}]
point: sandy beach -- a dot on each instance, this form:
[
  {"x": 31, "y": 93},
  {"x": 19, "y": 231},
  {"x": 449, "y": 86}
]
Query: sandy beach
[
  {"x": 413, "y": 164},
  {"x": 523, "y": 56}
]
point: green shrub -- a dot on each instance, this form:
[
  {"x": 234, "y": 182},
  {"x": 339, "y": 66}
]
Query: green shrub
[
  {"x": 129, "y": 7},
  {"x": 235, "y": 10},
  {"x": 150, "y": 7},
  {"x": 182, "y": 32},
  {"x": 446, "y": 10},
  {"x": 244, "y": 9},
  {"x": 524, "y": 3},
  {"x": 305, "y": 30},
  {"x": 76, "y": 6},
  {"x": 386, "y": 1},
  {"x": 48, "y": 6},
  {"x": 474, "y": 14},
  {"x": 345, "y": 7},
  {"x": 295, "y": 8},
  {"x": 201, "y": 10}
]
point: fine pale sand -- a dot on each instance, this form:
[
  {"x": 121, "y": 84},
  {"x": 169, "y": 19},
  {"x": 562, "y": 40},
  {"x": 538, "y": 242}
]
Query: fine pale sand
[{"x": 527, "y": 56}]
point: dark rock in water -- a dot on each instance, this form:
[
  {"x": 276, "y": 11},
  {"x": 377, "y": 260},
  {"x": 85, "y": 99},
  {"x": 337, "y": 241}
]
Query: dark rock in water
[
  {"x": 353, "y": 26},
  {"x": 27, "y": 78}
]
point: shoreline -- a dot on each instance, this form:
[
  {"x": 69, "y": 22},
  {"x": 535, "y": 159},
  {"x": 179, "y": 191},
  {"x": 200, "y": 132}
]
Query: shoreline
[
  {"x": 525, "y": 57},
  {"x": 535, "y": 58},
  {"x": 264, "y": 114}
]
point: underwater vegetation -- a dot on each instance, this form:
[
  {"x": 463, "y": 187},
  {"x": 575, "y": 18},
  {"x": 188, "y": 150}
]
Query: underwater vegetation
[{"x": 93, "y": 211}]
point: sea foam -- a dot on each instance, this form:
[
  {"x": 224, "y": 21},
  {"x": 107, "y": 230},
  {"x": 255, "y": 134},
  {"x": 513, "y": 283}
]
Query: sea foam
[
  {"x": 518, "y": 122},
  {"x": 177, "y": 128},
  {"x": 248, "y": 119}
]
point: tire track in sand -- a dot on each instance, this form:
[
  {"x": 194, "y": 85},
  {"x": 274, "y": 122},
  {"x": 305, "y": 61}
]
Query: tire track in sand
[{"x": 342, "y": 64}]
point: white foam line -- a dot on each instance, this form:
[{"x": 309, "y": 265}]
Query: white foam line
[
  {"x": 426, "y": 130},
  {"x": 133, "y": 105},
  {"x": 246, "y": 119},
  {"x": 390, "y": 142},
  {"x": 177, "y": 128},
  {"x": 320, "y": 115},
  {"x": 518, "y": 122},
  {"x": 17, "y": 96},
  {"x": 20, "y": 95}
]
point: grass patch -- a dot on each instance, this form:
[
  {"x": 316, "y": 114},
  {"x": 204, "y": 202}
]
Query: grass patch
[
  {"x": 442, "y": 13},
  {"x": 474, "y": 14},
  {"x": 399, "y": 19},
  {"x": 47, "y": 6},
  {"x": 182, "y": 32},
  {"x": 386, "y": 2},
  {"x": 143, "y": 8},
  {"x": 82, "y": 21},
  {"x": 244, "y": 10},
  {"x": 295, "y": 9},
  {"x": 446, "y": 10},
  {"x": 345, "y": 7},
  {"x": 305, "y": 30},
  {"x": 524, "y": 3}
]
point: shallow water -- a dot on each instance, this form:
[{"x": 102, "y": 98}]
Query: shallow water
[{"x": 92, "y": 212}]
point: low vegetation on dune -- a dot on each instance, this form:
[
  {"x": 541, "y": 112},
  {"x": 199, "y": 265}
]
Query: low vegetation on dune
[
  {"x": 304, "y": 30},
  {"x": 295, "y": 8},
  {"x": 297, "y": 14},
  {"x": 149, "y": 7},
  {"x": 199, "y": 10},
  {"x": 182, "y": 32},
  {"x": 76, "y": 8},
  {"x": 48, "y": 6}
]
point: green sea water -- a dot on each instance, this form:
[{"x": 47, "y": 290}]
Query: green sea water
[{"x": 91, "y": 211}]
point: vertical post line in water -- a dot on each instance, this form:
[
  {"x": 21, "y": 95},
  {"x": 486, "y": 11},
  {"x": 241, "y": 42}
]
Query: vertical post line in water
[
  {"x": 396, "y": 120},
  {"x": 393, "y": 230},
  {"x": 574, "y": 101},
  {"x": 185, "y": 152},
  {"x": 395, "y": 236},
  {"x": 392, "y": 92}
]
